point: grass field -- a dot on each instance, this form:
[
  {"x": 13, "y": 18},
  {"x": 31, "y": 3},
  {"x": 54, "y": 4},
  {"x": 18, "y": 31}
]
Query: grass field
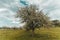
[{"x": 42, "y": 34}]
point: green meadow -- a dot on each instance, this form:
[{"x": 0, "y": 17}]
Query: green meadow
[{"x": 40, "y": 34}]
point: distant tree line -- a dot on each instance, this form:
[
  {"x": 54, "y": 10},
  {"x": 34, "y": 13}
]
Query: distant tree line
[{"x": 5, "y": 27}]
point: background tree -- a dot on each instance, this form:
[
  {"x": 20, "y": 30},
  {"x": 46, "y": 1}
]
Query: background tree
[
  {"x": 33, "y": 17},
  {"x": 56, "y": 23}
]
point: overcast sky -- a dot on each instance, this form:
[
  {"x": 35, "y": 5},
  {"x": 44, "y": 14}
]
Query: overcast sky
[{"x": 8, "y": 9}]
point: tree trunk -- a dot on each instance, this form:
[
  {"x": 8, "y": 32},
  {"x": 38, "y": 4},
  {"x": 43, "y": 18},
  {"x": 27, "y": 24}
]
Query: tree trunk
[{"x": 33, "y": 32}]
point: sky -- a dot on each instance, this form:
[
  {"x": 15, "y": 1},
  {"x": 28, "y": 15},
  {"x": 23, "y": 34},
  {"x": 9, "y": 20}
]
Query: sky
[{"x": 8, "y": 9}]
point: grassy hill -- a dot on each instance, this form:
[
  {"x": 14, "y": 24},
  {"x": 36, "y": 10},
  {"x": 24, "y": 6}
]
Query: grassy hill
[{"x": 42, "y": 34}]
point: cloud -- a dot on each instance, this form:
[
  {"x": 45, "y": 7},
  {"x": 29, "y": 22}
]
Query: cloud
[
  {"x": 2, "y": 9},
  {"x": 8, "y": 9},
  {"x": 55, "y": 14}
]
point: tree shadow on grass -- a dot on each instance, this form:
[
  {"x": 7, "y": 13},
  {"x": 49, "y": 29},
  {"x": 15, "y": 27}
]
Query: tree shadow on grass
[
  {"x": 27, "y": 36},
  {"x": 44, "y": 37}
]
